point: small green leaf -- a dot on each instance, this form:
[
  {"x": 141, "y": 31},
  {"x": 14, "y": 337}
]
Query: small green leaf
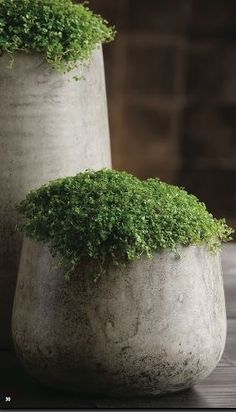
[
  {"x": 109, "y": 217},
  {"x": 67, "y": 33}
]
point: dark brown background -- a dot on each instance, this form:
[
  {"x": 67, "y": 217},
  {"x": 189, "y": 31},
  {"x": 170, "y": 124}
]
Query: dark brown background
[{"x": 171, "y": 82}]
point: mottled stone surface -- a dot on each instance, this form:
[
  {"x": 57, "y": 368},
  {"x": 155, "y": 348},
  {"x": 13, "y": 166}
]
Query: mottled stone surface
[
  {"x": 50, "y": 126},
  {"x": 151, "y": 327}
]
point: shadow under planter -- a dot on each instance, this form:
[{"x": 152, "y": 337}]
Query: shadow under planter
[
  {"x": 51, "y": 126},
  {"x": 151, "y": 327}
]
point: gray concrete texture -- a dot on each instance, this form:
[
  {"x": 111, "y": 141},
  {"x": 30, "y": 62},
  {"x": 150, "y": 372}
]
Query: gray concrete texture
[
  {"x": 151, "y": 327},
  {"x": 50, "y": 126}
]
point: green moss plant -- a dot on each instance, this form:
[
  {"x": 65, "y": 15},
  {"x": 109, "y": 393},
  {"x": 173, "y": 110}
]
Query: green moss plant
[
  {"x": 113, "y": 217},
  {"x": 63, "y": 31}
]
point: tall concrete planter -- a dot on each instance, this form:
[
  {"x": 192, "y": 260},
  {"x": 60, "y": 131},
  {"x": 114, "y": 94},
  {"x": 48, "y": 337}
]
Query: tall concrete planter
[
  {"x": 148, "y": 328},
  {"x": 50, "y": 126}
]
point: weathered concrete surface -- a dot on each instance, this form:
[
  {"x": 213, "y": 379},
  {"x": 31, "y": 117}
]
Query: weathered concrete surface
[
  {"x": 152, "y": 327},
  {"x": 50, "y": 126}
]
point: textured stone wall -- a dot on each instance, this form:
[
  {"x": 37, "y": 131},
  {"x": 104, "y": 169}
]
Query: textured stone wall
[{"x": 172, "y": 94}]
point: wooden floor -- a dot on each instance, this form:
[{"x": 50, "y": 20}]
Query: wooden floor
[{"x": 217, "y": 391}]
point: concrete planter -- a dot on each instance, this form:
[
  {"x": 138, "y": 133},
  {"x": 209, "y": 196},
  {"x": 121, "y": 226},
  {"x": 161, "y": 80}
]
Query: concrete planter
[
  {"x": 50, "y": 126},
  {"x": 152, "y": 327}
]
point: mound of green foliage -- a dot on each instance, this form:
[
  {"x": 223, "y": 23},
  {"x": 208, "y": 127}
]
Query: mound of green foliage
[
  {"x": 63, "y": 31},
  {"x": 110, "y": 216}
]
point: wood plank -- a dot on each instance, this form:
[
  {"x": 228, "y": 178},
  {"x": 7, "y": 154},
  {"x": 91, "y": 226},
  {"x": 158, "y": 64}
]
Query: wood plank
[{"x": 218, "y": 390}]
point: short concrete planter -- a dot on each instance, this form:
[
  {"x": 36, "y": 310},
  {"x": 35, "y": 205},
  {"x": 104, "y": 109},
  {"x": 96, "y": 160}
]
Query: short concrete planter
[
  {"x": 152, "y": 327},
  {"x": 50, "y": 126}
]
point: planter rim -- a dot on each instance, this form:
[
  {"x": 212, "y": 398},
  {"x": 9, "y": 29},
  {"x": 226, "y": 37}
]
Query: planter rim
[
  {"x": 33, "y": 53},
  {"x": 176, "y": 254}
]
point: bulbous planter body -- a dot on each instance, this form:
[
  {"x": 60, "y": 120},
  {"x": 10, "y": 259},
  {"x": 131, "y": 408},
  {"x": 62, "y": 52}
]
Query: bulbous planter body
[
  {"x": 151, "y": 327},
  {"x": 50, "y": 126}
]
